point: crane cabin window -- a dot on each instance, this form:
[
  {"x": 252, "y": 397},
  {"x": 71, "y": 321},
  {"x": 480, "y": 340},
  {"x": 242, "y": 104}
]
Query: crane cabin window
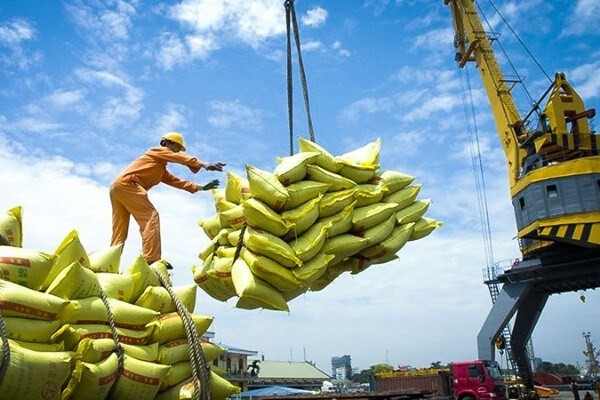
[
  {"x": 522, "y": 203},
  {"x": 552, "y": 191}
]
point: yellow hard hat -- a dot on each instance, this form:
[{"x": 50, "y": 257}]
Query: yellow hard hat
[{"x": 175, "y": 137}]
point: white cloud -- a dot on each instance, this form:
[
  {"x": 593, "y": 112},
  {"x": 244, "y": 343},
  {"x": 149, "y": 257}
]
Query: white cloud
[
  {"x": 106, "y": 22},
  {"x": 63, "y": 98},
  {"x": 13, "y": 35},
  {"x": 174, "y": 118},
  {"x": 367, "y": 105},
  {"x": 435, "y": 39},
  {"x": 587, "y": 77},
  {"x": 312, "y": 45},
  {"x": 583, "y": 19},
  {"x": 119, "y": 109},
  {"x": 443, "y": 102},
  {"x": 227, "y": 113},
  {"x": 315, "y": 17},
  {"x": 337, "y": 46},
  {"x": 174, "y": 51}
]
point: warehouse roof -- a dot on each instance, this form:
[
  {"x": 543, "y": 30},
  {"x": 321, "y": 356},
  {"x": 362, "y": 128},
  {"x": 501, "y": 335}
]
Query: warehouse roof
[{"x": 290, "y": 370}]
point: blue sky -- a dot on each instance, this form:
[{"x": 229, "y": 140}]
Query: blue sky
[{"x": 87, "y": 86}]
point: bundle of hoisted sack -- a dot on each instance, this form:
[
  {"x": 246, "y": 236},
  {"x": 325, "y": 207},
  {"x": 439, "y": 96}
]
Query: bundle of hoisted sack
[
  {"x": 314, "y": 218},
  {"x": 61, "y": 344}
]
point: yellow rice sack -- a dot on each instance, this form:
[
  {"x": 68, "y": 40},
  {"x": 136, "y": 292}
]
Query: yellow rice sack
[
  {"x": 365, "y": 156},
  {"x": 233, "y": 237},
  {"x": 413, "y": 212},
  {"x": 225, "y": 252},
  {"x": 220, "y": 389},
  {"x": 271, "y": 246},
  {"x": 19, "y": 301},
  {"x": 403, "y": 197},
  {"x": 289, "y": 296},
  {"x": 24, "y": 267},
  {"x": 178, "y": 373},
  {"x": 146, "y": 278},
  {"x": 395, "y": 181},
  {"x": 34, "y": 375},
  {"x": 43, "y": 347},
  {"x": 234, "y": 218},
  {"x": 311, "y": 242},
  {"x": 107, "y": 260},
  {"x": 214, "y": 287},
  {"x": 68, "y": 251},
  {"x": 271, "y": 271},
  {"x": 391, "y": 245},
  {"x": 359, "y": 264},
  {"x": 92, "y": 381},
  {"x": 325, "y": 159},
  {"x": 94, "y": 331},
  {"x": 331, "y": 274},
  {"x": 209, "y": 249},
  {"x": 30, "y": 330},
  {"x": 343, "y": 246},
  {"x": 11, "y": 227},
  {"x": 369, "y": 194},
  {"x": 221, "y": 270},
  {"x": 341, "y": 222},
  {"x": 211, "y": 226},
  {"x": 223, "y": 235},
  {"x": 301, "y": 192},
  {"x": 332, "y": 203},
  {"x": 75, "y": 282},
  {"x": 423, "y": 227},
  {"x": 169, "y": 327},
  {"x": 140, "y": 380},
  {"x": 247, "y": 286},
  {"x": 236, "y": 188},
  {"x": 179, "y": 350},
  {"x": 158, "y": 298},
  {"x": 369, "y": 216},
  {"x": 259, "y": 215},
  {"x": 92, "y": 311},
  {"x": 379, "y": 232},
  {"x": 302, "y": 217},
  {"x": 313, "y": 269},
  {"x": 357, "y": 173},
  {"x": 337, "y": 182},
  {"x": 267, "y": 188},
  {"x": 96, "y": 350},
  {"x": 218, "y": 195},
  {"x": 118, "y": 286},
  {"x": 292, "y": 169}
]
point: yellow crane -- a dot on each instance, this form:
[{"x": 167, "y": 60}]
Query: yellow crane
[{"x": 554, "y": 175}]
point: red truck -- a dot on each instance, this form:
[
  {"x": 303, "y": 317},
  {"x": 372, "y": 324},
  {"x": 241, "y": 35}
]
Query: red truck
[{"x": 465, "y": 380}]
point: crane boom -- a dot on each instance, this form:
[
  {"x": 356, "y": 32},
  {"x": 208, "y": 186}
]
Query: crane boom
[{"x": 469, "y": 29}]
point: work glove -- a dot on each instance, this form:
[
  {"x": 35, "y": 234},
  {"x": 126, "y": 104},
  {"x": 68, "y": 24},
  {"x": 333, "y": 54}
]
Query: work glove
[
  {"x": 210, "y": 185},
  {"x": 217, "y": 166}
]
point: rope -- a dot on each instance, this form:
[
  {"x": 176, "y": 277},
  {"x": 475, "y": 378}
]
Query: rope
[
  {"x": 240, "y": 243},
  {"x": 198, "y": 362},
  {"x": 5, "y": 348},
  {"x": 118, "y": 347},
  {"x": 290, "y": 13}
]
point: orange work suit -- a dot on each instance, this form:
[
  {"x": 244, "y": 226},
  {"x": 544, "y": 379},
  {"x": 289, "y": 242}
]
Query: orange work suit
[{"x": 128, "y": 196}]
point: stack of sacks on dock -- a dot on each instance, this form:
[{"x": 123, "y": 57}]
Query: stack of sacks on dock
[
  {"x": 315, "y": 217},
  {"x": 61, "y": 343}
]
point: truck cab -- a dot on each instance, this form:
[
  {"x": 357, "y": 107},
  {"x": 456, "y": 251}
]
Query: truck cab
[{"x": 478, "y": 380}]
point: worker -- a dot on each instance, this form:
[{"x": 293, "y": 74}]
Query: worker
[
  {"x": 129, "y": 196},
  {"x": 597, "y": 387},
  {"x": 575, "y": 389},
  {"x": 588, "y": 396}
]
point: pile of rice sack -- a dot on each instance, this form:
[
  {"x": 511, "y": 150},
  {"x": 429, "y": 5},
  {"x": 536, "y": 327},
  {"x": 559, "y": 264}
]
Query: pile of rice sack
[
  {"x": 315, "y": 217},
  {"x": 61, "y": 345}
]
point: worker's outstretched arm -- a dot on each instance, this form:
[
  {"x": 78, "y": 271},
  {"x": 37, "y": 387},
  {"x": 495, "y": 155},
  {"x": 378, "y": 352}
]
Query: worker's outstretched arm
[
  {"x": 174, "y": 181},
  {"x": 168, "y": 155}
]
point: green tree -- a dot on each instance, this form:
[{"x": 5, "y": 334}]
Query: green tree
[
  {"x": 558, "y": 368},
  {"x": 378, "y": 368}
]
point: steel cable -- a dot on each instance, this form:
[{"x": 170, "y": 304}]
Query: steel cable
[{"x": 290, "y": 19}]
